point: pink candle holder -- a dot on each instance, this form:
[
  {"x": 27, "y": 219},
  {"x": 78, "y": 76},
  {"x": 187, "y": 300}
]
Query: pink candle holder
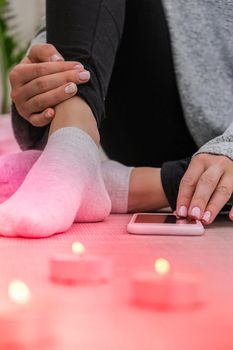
[
  {"x": 165, "y": 288},
  {"x": 78, "y": 267},
  {"x": 25, "y": 323}
]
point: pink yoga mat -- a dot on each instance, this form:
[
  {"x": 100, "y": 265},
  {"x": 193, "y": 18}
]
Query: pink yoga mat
[{"x": 102, "y": 316}]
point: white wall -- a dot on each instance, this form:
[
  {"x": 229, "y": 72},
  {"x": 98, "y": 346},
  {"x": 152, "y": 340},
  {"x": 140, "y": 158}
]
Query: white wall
[{"x": 28, "y": 14}]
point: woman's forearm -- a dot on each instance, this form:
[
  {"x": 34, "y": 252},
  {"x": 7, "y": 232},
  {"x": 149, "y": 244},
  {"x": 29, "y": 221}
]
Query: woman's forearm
[{"x": 77, "y": 113}]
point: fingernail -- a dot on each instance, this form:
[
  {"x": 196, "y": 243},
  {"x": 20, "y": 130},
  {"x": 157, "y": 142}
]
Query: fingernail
[
  {"x": 71, "y": 88},
  {"x": 196, "y": 212},
  {"x": 206, "y": 216},
  {"x": 48, "y": 114},
  {"x": 183, "y": 211},
  {"x": 56, "y": 58},
  {"x": 84, "y": 75},
  {"x": 79, "y": 66}
]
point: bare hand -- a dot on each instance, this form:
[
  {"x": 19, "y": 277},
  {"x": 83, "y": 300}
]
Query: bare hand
[
  {"x": 206, "y": 187},
  {"x": 42, "y": 80}
]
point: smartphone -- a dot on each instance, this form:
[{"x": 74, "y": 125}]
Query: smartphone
[{"x": 164, "y": 224}]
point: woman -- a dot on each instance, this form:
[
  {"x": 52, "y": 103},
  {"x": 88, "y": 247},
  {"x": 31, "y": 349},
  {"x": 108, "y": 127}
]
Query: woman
[{"x": 127, "y": 47}]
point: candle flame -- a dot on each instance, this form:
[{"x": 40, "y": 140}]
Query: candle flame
[
  {"x": 162, "y": 266},
  {"x": 78, "y": 248},
  {"x": 19, "y": 292}
]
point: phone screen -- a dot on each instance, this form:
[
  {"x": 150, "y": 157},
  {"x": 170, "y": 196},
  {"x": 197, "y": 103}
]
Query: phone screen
[{"x": 159, "y": 219}]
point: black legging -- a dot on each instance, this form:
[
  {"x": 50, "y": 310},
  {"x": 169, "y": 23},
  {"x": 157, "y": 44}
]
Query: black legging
[{"x": 126, "y": 46}]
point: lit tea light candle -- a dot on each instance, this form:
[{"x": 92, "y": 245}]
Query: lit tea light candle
[
  {"x": 165, "y": 288},
  {"x": 79, "y": 267},
  {"x": 18, "y": 292},
  {"x": 162, "y": 266},
  {"x": 78, "y": 248},
  {"x": 24, "y": 322}
]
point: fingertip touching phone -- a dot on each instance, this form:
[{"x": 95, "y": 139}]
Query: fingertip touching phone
[{"x": 164, "y": 224}]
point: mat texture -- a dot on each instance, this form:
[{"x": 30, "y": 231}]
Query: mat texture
[{"x": 103, "y": 317}]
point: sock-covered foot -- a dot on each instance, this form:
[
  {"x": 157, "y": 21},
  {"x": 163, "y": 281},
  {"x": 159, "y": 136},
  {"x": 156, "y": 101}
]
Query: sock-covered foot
[
  {"x": 48, "y": 200},
  {"x": 14, "y": 168},
  {"x": 116, "y": 178}
]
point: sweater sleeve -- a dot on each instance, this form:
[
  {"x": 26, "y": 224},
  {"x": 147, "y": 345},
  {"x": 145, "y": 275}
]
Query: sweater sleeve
[{"x": 220, "y": 145}]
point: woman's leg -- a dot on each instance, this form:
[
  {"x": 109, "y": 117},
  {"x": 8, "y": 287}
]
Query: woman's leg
[
  {"x": 90, "y": 32},
  {"x": 52, "y": 193},
  {"x": 69, "y": 167},
  {"x": 130, "y": 189}
]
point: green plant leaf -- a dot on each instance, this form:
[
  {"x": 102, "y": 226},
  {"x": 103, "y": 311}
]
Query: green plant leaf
[{"x": 10, "y": 52}]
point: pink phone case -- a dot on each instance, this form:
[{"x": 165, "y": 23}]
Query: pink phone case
[{"x": 181, "y": 229}]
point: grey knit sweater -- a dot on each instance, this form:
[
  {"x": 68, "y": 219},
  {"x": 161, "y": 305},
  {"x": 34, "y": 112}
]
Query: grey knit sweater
[
  {"x": 202, "y": 39},
  {"x": 202, "y": 42}
]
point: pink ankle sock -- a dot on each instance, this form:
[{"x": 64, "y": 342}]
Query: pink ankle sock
[
  {"x": 49, "y": 198},
  {"x": 14, "y": 168}
]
